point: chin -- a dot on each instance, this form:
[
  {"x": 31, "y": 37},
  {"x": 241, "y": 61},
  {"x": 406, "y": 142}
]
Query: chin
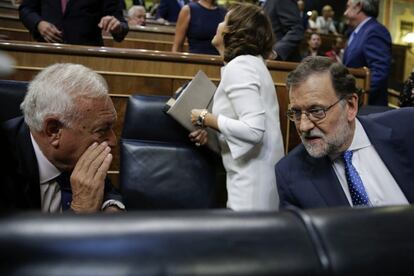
[{"x": 316, "y": 151}]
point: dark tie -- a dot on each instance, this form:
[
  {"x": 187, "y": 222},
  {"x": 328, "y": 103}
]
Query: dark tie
[
  {"x": 63, "y": 2},
  {"x": 358, "y": 194},
  {"x": 65, "y": 190}
]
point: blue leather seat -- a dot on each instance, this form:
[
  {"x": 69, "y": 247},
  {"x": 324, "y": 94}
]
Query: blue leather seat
[
  {"x": 160, "y": 167},
  {"x": 336, "y": 241},
  {"x": 11, "y": 95}
]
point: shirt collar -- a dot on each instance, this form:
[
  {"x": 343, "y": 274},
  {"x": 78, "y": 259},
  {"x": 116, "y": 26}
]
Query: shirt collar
[
  {"x": 47, "y": 171},
  {"x": 359, "y": 140},
  {"x": 361, "y": 24}
]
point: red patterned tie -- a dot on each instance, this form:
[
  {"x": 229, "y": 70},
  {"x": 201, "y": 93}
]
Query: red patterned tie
[{"x": 64, "y": 2}]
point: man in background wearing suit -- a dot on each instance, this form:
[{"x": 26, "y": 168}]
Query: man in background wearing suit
[
  {"x": 343, "y": 159},
  {"x": 287, "y": 26},
  {"x": 57, "y": 156},
  {"x": 168, "y": 10},
  {"x": 369, "y": 45},
  {"x": 73, "y": 21}
]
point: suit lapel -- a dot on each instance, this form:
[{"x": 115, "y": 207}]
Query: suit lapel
[
  {"x": 28, "y": 169},
  {"x": 393, "y": 153},
  {"x": 325, "y": 181}
]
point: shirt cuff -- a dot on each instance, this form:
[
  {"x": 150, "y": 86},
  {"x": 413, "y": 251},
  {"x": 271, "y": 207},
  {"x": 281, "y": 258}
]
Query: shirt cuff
[{"x": 113, "y": 202}]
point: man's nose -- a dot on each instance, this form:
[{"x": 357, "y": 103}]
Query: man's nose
[
  {"x": 112, "y": 141},
  {"x": 304, "y": 124}
]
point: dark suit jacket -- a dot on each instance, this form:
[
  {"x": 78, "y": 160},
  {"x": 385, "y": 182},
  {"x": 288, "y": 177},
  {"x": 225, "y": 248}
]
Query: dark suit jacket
[
  {"x": 79, "y": 23},
  {"x": 371, "y": 47},
  {"x": 287, "y": 26},
  {"x": 169, "y": 10},
  {"x": 20, "y": 187},
  {"x": 307, "y": 182}
]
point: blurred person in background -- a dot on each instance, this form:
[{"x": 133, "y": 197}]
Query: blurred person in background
[
  {"x": 198, "y": 22},
  {"x": 314, "y": 43},
  {"x": 337, "y": 51},
  {"x": 287, "y": 27},
  {"x": 73, "y": 22},
  {"x": 325, "y": 23},
  {"x": 136, "y": 16}
]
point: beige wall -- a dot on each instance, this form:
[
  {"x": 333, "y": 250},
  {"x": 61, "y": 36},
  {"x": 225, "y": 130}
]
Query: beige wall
[{"x": 398, "y": 17}]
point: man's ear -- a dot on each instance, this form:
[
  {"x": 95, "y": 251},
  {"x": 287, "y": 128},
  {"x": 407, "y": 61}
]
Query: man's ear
[
  {"x": 53, "y": 130},
  {"x": 352, "y": 103}
]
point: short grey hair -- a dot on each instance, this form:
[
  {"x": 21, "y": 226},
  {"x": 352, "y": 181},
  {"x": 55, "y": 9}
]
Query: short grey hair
[
  {"x": 343, "y": 82},
  {"x": 369, "y": 7},
  {"x": 54, "y": 89},
  {"x": 134, "y": 9}
]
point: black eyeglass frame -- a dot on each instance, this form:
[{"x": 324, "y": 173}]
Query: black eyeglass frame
[{"x": 296, "y": 115}]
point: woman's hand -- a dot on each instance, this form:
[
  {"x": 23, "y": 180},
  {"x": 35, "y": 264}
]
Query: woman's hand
[
  {"x": 199, "y": 137},
  {"x": 195, "y": 113}
]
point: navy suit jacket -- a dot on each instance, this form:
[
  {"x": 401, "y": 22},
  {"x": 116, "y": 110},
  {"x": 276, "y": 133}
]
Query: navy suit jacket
[
  {"x": 307, "y": 182},
  {"x": 79, "y": 23},
  {"x": 169, "y": 10},
  {"x": 20, "y": 187},
  {"x": 371, "y": 47},
  {"x": 287, "y": 26}
]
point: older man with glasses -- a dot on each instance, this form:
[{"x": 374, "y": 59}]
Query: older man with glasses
[{"x": 344, "y": 160}]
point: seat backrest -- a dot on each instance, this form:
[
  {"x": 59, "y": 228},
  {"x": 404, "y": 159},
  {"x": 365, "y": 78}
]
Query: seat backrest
[
  {"x": 160, "y": 168},
  {"x": 203, "y": 242},
  {"x": 11, "y": 96},
  {"x": 364, "y": 241}
]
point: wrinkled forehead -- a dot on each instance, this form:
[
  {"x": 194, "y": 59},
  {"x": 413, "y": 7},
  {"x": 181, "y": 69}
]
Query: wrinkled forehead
[{"x": 314, "y": 89}]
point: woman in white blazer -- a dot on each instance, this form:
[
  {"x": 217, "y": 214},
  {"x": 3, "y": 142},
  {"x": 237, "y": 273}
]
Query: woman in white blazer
[{"x": 245, "y": 110}]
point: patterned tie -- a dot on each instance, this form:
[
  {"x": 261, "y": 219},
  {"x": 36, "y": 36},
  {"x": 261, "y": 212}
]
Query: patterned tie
[
  {"x": 63, "y": 2},
  {"x": 358, "y": 194}
]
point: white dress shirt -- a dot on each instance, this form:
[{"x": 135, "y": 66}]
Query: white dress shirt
[
  {"x": 250, "y": 138},
  {"x": 380, "y": 185},
  {"x": 325, "y": 25},
  {"x": 50, "y": 197}
]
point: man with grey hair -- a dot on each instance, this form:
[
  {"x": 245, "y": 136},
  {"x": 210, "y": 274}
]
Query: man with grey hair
[
  {"x": 60, "y": 150},
  {"x": 344, "y": 160},
  {"x": 136, "y": 16},
  {"x": 369, "y": 45}
]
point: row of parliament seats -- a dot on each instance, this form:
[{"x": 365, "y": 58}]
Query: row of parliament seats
[
  {"x": 341, "y": 241},
  {"x": 160, "y": 38}
]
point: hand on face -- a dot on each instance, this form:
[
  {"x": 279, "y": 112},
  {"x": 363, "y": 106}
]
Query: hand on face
[
  {"x": 110, "y": 24},
  {"x": 49, "y": 32},
  {"x": 88, "y": 177}
]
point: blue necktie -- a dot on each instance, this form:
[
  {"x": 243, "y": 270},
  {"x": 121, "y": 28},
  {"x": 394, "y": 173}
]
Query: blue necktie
[
  {"x": 65, "y": 190},
  {"x": 358, "y": 194},
  {"x": 353, "y": 35}
]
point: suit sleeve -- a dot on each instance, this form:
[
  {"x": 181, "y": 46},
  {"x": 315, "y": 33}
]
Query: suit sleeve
[
  {"x": 242, "y": 87},
  {"x": 285, "y": 196},
  {"x": 29, "y": 12},
  {"x": 286, "y": 14},
  {"x": 114, "y": 8},
  {"x": 110, "y": 192},
  {"x": 377, "y": 51},
  {"x": 162, "y": 10}
]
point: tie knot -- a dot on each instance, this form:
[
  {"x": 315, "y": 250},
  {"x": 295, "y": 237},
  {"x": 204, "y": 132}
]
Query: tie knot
[
  {"x": 64, "y": 181},
  {"x": 347, "y": 156}
]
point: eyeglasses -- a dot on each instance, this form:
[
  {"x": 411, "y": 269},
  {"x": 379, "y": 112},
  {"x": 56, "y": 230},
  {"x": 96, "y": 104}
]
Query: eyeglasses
[{"x": 314, "y": 114}]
